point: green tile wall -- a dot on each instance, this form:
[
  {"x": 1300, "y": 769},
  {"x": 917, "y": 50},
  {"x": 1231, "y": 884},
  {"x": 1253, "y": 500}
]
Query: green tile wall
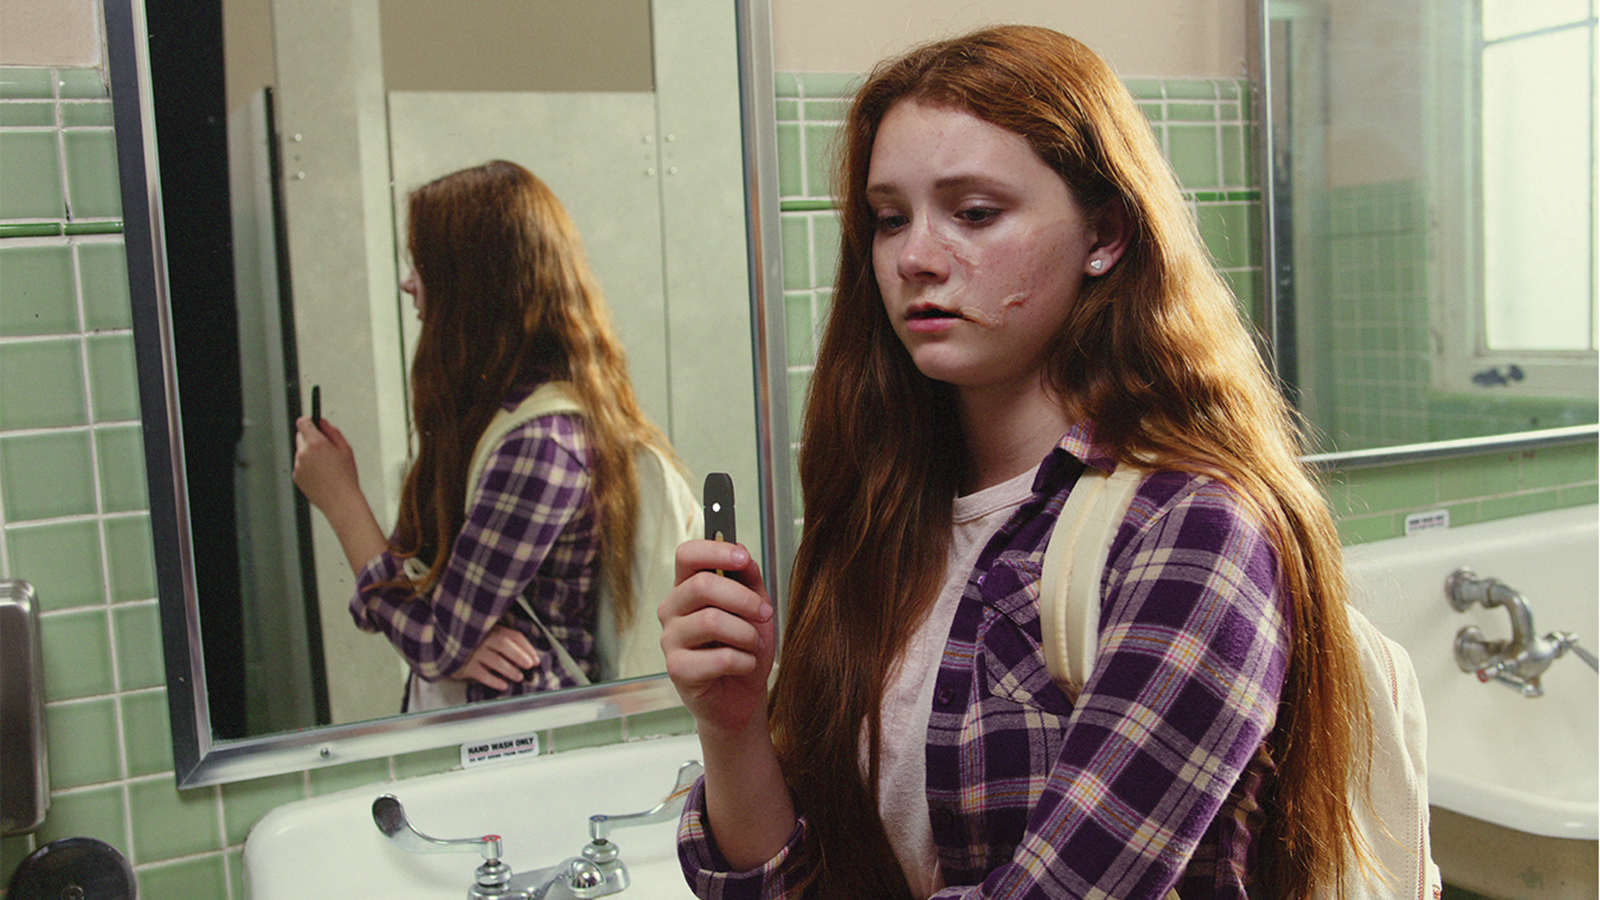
[
  {"x": 1378, "y": 315},
  {"x": 74, "y": 520},
  {"x": 72, "y": 514},
  {"x": 1379, "y": 327}
]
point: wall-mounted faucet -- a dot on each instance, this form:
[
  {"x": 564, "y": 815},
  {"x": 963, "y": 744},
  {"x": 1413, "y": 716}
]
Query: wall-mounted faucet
[
  {"x": 596, "y": 872},
  {"x": 1519, "y": 662}
]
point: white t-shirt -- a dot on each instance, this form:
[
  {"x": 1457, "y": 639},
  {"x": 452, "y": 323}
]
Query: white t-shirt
[{"x": 908, "y": 697}]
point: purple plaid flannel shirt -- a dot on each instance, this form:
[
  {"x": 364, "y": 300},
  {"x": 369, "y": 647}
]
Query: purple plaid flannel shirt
[
  {"x": 1150, "y": 781},
  {"x": 531, "y": 530}
]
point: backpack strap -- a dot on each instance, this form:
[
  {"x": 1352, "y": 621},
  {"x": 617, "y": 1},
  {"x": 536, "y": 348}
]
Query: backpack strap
[
  {"x": 1389, "y": 796},
  {"x": 1069, "y": 584},
  {"x": 1392, "y": 817},
  {"x": 1074, "y": 559},
  {"x": 568, "y": 664},
  {"x": 548, "y": 399}
]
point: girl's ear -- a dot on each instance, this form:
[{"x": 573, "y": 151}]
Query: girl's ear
[{"x": 1112, "y": 230}]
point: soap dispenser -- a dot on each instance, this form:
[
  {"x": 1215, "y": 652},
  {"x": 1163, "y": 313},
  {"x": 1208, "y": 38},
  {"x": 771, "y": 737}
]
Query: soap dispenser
[{"x": 24, "y": 780}]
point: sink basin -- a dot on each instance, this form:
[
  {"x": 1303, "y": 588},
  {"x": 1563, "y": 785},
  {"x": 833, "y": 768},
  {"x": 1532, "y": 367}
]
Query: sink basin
[{"x": 328, "y": 846}]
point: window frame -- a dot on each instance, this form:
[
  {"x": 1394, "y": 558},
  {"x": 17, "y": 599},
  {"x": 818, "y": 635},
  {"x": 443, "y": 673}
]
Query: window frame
[{"x": 1463, "y": 361}]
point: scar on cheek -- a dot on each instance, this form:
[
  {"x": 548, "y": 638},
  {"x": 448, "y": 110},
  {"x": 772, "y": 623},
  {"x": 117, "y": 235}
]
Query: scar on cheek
[{"x": 993, "y": 320}]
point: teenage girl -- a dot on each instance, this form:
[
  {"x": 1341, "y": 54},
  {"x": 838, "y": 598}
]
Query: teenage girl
[
  {"x": 1022, "y": 295},
  {"x": 507, "y": 304}
]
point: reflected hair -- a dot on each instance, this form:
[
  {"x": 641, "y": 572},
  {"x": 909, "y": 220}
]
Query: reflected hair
[
  {"x": 1154, "y": 353},
  {"x": 508, "y": 298}
]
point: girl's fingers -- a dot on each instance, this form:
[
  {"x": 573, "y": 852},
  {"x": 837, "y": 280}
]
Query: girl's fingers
[
  {"x": 718, "y": 556},
  {"x": 706, "y": 665},
  {"x": 504, "y": 657},
  {"x": 514, "y": 646},
  {"x": 711, "y": 626},
  {"x": 477, "y": 671},
  {"x": 737, "y": 591},
  {"x": 500, "y": 665}
]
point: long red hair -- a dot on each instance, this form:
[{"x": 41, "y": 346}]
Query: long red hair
[
  {"x": 1154, "y": 353},
  {"x": 508, "y": 297}
]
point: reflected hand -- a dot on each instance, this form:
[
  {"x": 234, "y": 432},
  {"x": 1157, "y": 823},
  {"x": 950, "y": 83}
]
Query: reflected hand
[
  {"x": 325, "y": 471},
  {"x": 324, "y": 465},
  {"x": 503, "y": 658},
  {"x": 718, "y": 635}
]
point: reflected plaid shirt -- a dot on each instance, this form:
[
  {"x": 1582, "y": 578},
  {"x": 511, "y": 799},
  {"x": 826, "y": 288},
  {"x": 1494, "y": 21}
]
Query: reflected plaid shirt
[
  {"x": 531, "y": 530},
  {"x": 1150, "y": 782}
]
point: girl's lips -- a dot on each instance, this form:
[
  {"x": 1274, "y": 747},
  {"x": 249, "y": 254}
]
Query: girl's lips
[
  {"x": 927, "y": 319},
  {"x": 929, "y": 311}
]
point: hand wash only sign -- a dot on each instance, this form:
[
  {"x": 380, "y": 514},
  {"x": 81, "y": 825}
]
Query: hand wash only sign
[{"x": 477, "y": 753}]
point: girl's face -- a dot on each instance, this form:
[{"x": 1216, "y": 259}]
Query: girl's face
[
  {"x": 980, "y": 247},
  {"x": 413, "y": 286}
]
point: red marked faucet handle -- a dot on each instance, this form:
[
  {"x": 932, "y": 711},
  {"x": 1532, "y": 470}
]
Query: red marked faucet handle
[{"x": 390, "y": 818}]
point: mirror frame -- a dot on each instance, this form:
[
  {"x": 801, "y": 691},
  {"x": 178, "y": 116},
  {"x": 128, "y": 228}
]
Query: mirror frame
[
  {"x": 198, "y": 758},
  {"x": 1278, "y": 279}
]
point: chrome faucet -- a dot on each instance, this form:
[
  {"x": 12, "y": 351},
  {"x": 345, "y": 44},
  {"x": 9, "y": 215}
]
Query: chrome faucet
[
  {"x": 1520, "y": 662},
  {"x": 596, "y": 872},
  {"x": 601, "y": 826}
]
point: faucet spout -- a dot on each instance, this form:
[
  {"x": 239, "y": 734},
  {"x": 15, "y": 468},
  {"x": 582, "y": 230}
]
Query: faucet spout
[{"x": 1466, "y": 589}]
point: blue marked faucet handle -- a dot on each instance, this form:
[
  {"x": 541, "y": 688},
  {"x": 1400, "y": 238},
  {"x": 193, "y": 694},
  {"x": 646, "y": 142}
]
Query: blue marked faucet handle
[{"x": 601, "y": 826}]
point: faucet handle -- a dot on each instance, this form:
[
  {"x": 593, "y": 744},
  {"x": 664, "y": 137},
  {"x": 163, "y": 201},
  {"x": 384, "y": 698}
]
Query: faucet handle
[
  {"x": 390, "y": 818},
  {"x": 1566, "y": 640},
  {"x": 600, "y": 826},
  {"x": 491, "y": 878}
]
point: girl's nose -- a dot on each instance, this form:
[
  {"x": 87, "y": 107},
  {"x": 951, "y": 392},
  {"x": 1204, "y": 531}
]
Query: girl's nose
[{"x": 923, "y": 257}]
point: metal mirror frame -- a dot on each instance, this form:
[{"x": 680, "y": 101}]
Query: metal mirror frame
[
  {"x": 1276, "y": 220},
  {"x": 198, "y": 758}
]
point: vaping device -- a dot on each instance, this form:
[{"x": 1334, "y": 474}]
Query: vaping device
[
  {"x": 720, "y": 521},
  {"x": 718, "y": 493}
]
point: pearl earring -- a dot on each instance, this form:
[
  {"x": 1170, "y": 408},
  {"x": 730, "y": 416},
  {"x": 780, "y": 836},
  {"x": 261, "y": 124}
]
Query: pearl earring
[{"x": 1097, "y": 264}]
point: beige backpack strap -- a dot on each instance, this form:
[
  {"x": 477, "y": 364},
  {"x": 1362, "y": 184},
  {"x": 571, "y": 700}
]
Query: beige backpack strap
[
  {"x": 1074, "y": 559},
  {"x": 1069, "y": 583},
  {"x": 550, "y": 397},
  {"x": 568, "y": 664}
]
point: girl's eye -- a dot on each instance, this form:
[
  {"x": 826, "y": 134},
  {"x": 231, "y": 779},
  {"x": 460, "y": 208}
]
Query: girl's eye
[
  {"x": 889, "y": 221},
  {"x": 978, "y": 215}
]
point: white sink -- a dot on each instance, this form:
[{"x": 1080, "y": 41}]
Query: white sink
[{"x": 540, "y": 806}]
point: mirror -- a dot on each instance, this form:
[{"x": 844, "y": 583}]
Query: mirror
[
  {"x": 1430, "y": 216},
  {"x": 264, "y": 232}
]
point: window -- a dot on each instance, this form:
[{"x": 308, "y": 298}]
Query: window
[{"x": 1525, "y": 199}]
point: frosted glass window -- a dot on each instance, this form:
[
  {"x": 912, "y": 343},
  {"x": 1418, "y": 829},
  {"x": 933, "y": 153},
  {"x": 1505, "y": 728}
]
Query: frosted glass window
[
  {"x": 1503, "y": 18},
  {"x": 1538, "y": 171}
]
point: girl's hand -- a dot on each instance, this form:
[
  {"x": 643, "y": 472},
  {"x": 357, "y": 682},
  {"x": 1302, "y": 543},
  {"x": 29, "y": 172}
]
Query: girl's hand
[
  {"x": 324, "y": 464},
  {"x": 718, "y": 636},
  {"x": 502, "y": 659},
  {"x": 325, "y": 471}
]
